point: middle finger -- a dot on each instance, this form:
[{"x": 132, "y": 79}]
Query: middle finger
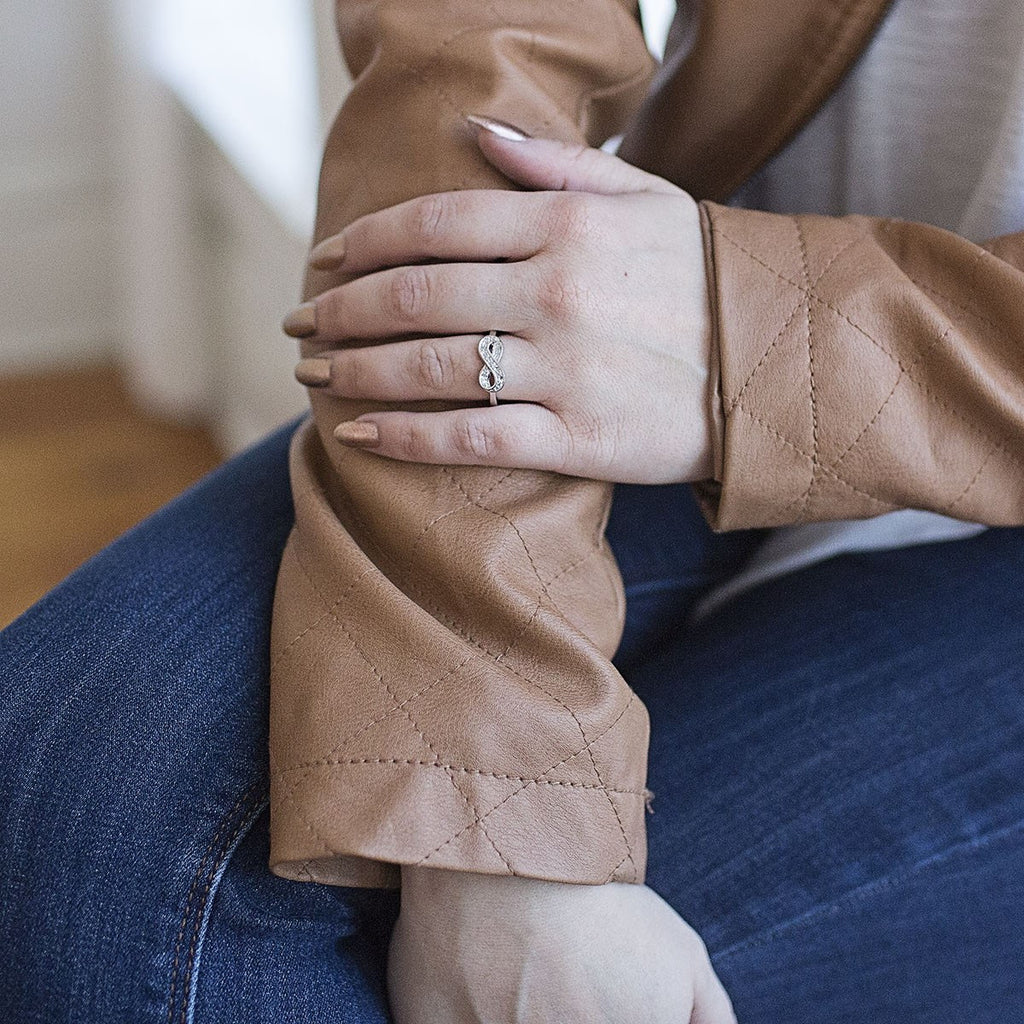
[{"x": 442, "y": 298}]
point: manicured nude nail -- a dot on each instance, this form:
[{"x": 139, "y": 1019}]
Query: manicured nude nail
[
  {"x": 313, "y": 373},
  {"x": 502, "y": 129},
  {"x": 328, "y": 254},
  {"x": 357, "y": 433},
  {"x": 301, "y": 321}
]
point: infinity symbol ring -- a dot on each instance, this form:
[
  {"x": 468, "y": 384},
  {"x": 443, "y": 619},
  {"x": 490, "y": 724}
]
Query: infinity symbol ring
[{"x": 491, "y": 378}]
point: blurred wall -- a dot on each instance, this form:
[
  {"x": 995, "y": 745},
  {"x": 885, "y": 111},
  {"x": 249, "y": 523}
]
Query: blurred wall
[
  {"x": 58, "y": 194},
  {"x": 126, "y": 233}
]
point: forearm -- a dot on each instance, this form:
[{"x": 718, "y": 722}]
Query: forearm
[
  {"x": 866, "y": 365},
  {"x": 441, "y": 684}
]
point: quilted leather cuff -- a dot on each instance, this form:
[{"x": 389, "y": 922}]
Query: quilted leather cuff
[{"x": 461, "y": 716}]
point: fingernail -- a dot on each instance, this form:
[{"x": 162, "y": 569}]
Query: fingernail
[
  {"x": 301, "y": 321},
  {"x": 313, "y": 373},
  {"x": 357, "y": 433},
  {"x": 502, "y": 129},
  {"x": 328, "y": 254}
]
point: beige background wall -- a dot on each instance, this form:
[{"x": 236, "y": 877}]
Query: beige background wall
[{"x": 126, "y": 233}]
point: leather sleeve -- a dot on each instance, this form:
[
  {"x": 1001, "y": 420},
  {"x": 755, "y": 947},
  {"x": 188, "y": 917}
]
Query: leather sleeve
[
  {"x": 866, "y": 365},
  {"x": 441, "y": 685}
]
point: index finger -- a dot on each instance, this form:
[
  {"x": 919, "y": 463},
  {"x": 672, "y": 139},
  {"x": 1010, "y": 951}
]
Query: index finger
[{"x": 474, "y": 225}]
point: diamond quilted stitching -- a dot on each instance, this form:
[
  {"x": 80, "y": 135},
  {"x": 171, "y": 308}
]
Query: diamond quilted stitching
[{"x": 404, "y": 707}]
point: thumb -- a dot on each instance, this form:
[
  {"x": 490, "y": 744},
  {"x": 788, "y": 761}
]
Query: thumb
[{"x": 561, "y": 166}]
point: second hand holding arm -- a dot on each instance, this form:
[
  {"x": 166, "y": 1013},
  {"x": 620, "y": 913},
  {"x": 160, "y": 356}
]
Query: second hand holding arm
[{"x": 596, "y": 281}]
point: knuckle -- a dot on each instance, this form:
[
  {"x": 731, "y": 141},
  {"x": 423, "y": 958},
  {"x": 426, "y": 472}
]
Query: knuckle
[
  {"x": 570, "y": 217},
  {"x": 586, "y": 439},
  {"x": 434, "y": 369},
  {"x": 560, "y": 296},
  {"x": 585, "y": 443},
  {"x": 565, "y": 446},
  {"x": 431, "y": 217},
  {"x": 476, "y": 440},
  {"x": 353, "y": 371},
  {"x": 409, "y": 294},
  {"x": 407, "y": 439}
]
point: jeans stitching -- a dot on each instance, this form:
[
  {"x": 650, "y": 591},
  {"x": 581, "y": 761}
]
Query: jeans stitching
[{"x": 216, "y": 850}]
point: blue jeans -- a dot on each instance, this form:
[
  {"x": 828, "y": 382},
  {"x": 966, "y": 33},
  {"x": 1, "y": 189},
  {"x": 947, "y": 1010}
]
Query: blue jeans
[{"x": 837, "y": 759}]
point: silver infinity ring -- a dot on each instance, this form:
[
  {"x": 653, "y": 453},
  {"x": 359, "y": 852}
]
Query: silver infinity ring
[{"x": 491, "y": 378}]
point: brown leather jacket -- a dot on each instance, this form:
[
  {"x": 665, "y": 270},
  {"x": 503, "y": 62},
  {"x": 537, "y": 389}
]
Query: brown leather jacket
[{"x": 441, "y": 686}]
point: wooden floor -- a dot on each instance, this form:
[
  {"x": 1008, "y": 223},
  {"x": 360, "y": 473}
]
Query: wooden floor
[{"x": 79, "y": 464}]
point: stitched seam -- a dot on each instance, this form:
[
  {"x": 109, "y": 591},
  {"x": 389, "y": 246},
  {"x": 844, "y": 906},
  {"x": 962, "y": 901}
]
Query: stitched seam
[
  {"x": 191, "y": 894},
  {"x": 497, "y": 657},
  {"x": 792, "y": 316},
  {"x": 413, "y": 762},
  {"x": 566, "y": 707},
  {"x": 475, "y": 811},
  {"x": 522, "y": 540},
  {"x": 539, "y": 779},
  {"x": 1002, "y": 443},
  {"x": 376, "y": 721},
  {"x": 321, "y": 618},
  {"x": 395, "y": 707},
  {"x": 566, "y": 569},
  {"x": 394, "y": 698},
  {"x": 290, "y": 798},
  {"x": 888, "y": 505},
  {"x": 806, "y": 498},
  {"x": 199, "y": 873},
  {"x": 974, "y": 479},
  {"x": 445, "y": 515},
  {"x": 614, "y": 871},
  {"x": 407, "y": 582},
  {"x": 419, "y": 73},
  {"x": 874, "y": 419},
  {"x": 330, "y": 850},
  {"x": 899, "y": 378},
  {"x": 186, "y": 989}
]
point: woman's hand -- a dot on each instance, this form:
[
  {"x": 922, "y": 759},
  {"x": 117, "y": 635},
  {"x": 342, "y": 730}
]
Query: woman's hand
[
  {"x": 481, "y": 948},
  {"x": 597, "y": 286}
]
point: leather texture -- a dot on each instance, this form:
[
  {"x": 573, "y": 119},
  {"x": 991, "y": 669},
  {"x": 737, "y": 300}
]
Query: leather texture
[
  {"x": 867, "y": 365},
  {"x": 739, "y": 79},
  {"x": 441, "y": 684}
]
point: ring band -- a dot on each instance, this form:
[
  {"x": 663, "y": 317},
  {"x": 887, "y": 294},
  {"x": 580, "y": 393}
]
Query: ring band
[{"x": 492, "y": 378}]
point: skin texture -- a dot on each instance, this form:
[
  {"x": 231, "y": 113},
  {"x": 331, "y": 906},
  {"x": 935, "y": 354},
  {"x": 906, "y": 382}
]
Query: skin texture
[
  {"x": 470, "y": 949},
  {"x": 595, "y": 279}
]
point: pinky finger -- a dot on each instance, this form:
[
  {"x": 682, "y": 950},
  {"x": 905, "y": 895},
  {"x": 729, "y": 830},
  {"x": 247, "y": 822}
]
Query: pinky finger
[{"x": 514, "y": 436}]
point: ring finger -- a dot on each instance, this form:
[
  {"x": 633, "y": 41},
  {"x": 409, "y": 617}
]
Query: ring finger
[{"x": 426, "y": 369}]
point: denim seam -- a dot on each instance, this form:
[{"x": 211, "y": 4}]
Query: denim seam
[
  {"x": 210, "y": 893},
  {"x": 197, "y": 913},
  {"x": 868, "y": 889}
]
